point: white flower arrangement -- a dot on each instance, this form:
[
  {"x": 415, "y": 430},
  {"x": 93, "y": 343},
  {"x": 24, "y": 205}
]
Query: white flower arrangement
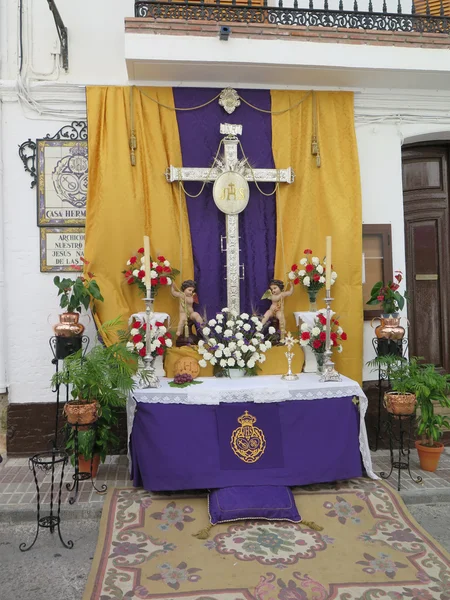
[{"x": 237, "y": 343}]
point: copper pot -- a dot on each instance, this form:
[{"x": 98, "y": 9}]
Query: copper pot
[
  {"x": 400, "y": 404},
  {"x": 68, "y": 325},
  {"x": 389, "y": 328},
  {"x": 81, "y": 413}
]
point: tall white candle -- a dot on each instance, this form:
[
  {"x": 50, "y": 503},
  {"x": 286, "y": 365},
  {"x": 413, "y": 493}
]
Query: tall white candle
[
  {"x": 147, "y": 262},
  {"x": 328, "y": 264}
]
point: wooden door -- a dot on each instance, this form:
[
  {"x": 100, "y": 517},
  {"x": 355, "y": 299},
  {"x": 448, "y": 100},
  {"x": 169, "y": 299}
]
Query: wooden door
[{"x": 426, "y": 210}]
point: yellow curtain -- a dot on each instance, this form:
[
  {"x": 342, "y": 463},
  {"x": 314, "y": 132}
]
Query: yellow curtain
[
  {"x": 322, "y": 201},
  {"x": 125, "y": 202}
]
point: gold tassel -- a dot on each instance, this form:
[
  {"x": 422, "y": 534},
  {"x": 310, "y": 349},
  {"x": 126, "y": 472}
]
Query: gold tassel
[
  {"x": 318, "y": 160},
  {"x": 314, "y": 146},
  {"x": 133, "y": 146},
  {"x": 203, "y": 534},
  {"x": 312, "y": 525}
]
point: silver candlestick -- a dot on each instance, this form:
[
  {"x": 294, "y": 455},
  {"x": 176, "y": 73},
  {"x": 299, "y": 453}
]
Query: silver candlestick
[
  {"x": 329, "y": 373},
  {"x": 147, "y": 375},
  {"x": 289, "y": 342}
]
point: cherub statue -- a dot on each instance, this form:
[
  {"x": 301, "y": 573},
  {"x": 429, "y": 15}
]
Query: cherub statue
[
  {"x": 276, "y": 294},
  {"x": 188, "y": 297}
]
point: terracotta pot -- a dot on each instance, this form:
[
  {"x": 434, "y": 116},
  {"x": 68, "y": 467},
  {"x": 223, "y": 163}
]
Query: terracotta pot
[
  {"x": 400, "y": 404},
  {"x": 429, "y": 456},
  {"x": 68, "y": 325},
  {"x": 81, "y": 413},
  {"x": 84, "y": 465},
  {"x": 389, "y": 328}
]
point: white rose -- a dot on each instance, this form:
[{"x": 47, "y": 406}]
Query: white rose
[
  {"x": 254, "y": 341},
  {"x": 207, "y": 356},
  {"x": 244, "y": 316},
  {"x": 206, "y": 330},
  {"x": 254, "y": 319},
  {"x": 251, "y": 364},
  {"x": 292, "y": 275},
  {"x": 339, "y": 348},
  {"x": 221, "y": 346},
  {"x": 304, "y": 261},
  {"x": 239, "y": 336},
  {"x": 169, "y": 343},
  {"x": 304, "y": 327},
  {"x": 304, "y": 342},
  {"x": 302, "y": 273},
  {"x": 169, "y": 281},
  {"x": 315, "y": 331},
  {"x": 232, "y": 346},
  {"x": 319, "y": 269},
  {"x": 201, "y": 350},
  {"x": 139, "y": 345},
  {"x": 229, "y": 323},
  {"x": 227, "y": 333},
  {"x": 213, "y": 360},
  {"x": 154, "y": 265},
  {"x": 202, "y": 363},
  {"x": 339, "y": 330},
  {"x": 218, "y": 329},
  {"x": 307, "y": 281},
  {"x": 241, "y": 363},
  {"x": 201, "y": 342},
  {"x": 247, "y": 327},
  {"x": 142, "y": 259},
  {"x": 240, "y": 343},
  {"x": 231, "y": 362},
  {"x": 153, "y": 274},
  {"x": 157, "y": 343},
  {"x": 212, "y": 342},
  {"x": 262, "y": 347},
  {"x": 166, "y": 263},
  {"x": 136, "y": 272},
  {"x": 258, "y": 326},
  {"x": 212, "y": 322},
  {"x": 251, "y": 348},
  {"x": 268, "y": 344},
  {"x": 134, "y": 331},
  {"x": 223, "y": 362},
  {"x": 239, "y": 323},
  {"x": 219, "y": 318},
  {"x": 227, "y": 352},
  {"x": 322, "y": 279},
  {"x": 272, "y": 330},
  {"x": 218, "y": 353},
  {"x": 161, "y": 330},
  {"x": 130, "y": 346},
  {"x": 315, "y": 261},
  {"x": 262, "y": 358},
  {"x": 238, "y": 354}
]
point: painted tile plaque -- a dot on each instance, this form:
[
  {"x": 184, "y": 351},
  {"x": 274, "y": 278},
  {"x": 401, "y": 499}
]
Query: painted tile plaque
[{"x": 61, "y": 248}]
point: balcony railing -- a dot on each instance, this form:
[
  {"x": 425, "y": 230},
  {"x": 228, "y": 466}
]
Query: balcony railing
[{"x": 425, "y": 16}]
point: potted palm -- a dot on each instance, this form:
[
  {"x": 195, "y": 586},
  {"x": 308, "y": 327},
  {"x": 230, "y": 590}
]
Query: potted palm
[
  {"x": 100, "y": 382},
  {"x": 74, "y": 295}
]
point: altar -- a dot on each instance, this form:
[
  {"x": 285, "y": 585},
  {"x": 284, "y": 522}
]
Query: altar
[{"x": 298, "y": 433}]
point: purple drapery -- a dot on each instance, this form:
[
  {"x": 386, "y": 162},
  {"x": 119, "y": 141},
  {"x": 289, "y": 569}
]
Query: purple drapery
[{"x": 200, "y": 137}]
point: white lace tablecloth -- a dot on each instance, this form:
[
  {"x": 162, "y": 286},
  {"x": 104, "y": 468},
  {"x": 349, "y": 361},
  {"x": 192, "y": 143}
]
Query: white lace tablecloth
[{"x": 261, "y": 389}]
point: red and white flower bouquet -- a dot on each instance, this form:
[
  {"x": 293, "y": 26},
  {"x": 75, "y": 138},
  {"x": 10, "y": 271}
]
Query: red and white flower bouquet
[
  {"x": 161, "y": 339},
  {"x": 315, "y": 337},
  {"x": 162, "y": 273},
  {"x": 310, "y": 272}
]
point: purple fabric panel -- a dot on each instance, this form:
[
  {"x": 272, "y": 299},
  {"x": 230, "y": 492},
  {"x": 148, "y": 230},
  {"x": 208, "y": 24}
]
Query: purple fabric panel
[
  {"x": 252, "y": 502},
  {"x": 200, "y": 137},
  {"x": 267, "y": 420},
  {"x": 176, "y": 446}
]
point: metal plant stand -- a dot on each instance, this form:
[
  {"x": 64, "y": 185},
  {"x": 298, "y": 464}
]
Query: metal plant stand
[
  {"x": 399, "y": 430},
  {"x": 396, "y": 348},
  {"x": 46, "y": 462},
  {"x": 82, "y": 475}
]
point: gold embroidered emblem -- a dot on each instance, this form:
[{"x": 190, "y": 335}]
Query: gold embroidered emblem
[{"x": 248, "y": 442}]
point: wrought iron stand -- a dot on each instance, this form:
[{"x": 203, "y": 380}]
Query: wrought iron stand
[
  {"x": 399, "y": 430},
  {"x": 47, "y": 461},
  {"x": 396, "y": 348},
  {"x": 82, "y": 475}
]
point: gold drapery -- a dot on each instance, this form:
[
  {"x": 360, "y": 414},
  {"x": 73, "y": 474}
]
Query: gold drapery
[
  {"x": 126, "y": 202},
  {"x": 322, "y": 201}
]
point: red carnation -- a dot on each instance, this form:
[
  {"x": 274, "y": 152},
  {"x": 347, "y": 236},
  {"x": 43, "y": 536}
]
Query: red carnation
[
  {"x": 168, "y": 334},
  {"x": 160, "y": 350},
  {"x": 159, "y": 269},
  {"x": 306, "y": 335},
  {"x": 309, "y": 268},
  {"x": 317, "y": 344},
  {"x": 159, "y": 324},
  {"x": 141, "y": 274},
  {"x": 294, "y": 267},
  {"x": 133, "y": 259},
  {"x": 163, "y": 280},
  {"x": 137, "y": 338},
  {"x": 333, "y": 336},
  {"x": 322, "y": 319},
  {"x": 166, "y": 269},
  {"x": 307, "y": 251},
  {"x": 322, "y": 336},
  {"x": 343, "y": 336},
  {"x": 130, "y": 281},
  {"x": 127, "y": 273},
  {"x": 153, "y": 282},
  {"x": 161, "y": 339},
  {"x": 142, "y": 351},
  {"x": 136, "y": 325},
  {"x": 316, "y": 277},
  {"x": 141, "y": 251},
  {"x": 161, "y": 258},
  {"x": 336, "y": 322},
  {"x": 144, "y": 326},
  {"x": 335, "y": 343},
  {"x": 296, "y": 281}
]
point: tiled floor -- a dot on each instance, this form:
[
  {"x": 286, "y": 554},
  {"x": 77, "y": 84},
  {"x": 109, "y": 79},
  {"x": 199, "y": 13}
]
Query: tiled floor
[{"x": 18, "y": 490}]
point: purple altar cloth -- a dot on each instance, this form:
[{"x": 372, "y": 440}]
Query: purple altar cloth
[{"x": 179, "y": 446}]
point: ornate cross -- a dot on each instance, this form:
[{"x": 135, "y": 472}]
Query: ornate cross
[{"x": 231, "y": 194}]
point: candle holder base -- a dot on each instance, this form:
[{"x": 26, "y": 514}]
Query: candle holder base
[
  {"x": 330, "y": 374},
  {"x": 289, "y": 377}
]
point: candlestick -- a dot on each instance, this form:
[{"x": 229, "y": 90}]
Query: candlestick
[
  {"x": 147, "y": 280},
  {"x": 289, "y": 341},
  {"x": 330, "y": 373},
  {"x": 328, "y": 263},
  {"x": 147, "y": 375}
]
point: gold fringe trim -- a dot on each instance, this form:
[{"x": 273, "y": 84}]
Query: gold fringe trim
[
  {"x": 312, "y": 525},
  {"x": 203, "y": 534}
]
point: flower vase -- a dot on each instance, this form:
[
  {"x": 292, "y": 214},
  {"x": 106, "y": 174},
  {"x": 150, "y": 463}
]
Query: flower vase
[
  {"x": 312, "y": 295},
  {"x": 236, "y": 373},
  {"x": 320, "y": 359}
]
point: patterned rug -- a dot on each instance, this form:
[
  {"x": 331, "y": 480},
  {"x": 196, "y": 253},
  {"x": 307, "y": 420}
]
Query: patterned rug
[{"x": 370, "y": 548}]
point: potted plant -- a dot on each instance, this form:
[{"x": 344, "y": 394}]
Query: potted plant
[
  {"x": 74, "y": 295},
  {"x": 389, "y": 332},
  {"x": 100, "y": 382}
]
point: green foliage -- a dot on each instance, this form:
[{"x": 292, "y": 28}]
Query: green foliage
[
  {"x": 388, "y": 295},
  {"x": 428, "y": 384},
  {"x": 77, "y": 293}
]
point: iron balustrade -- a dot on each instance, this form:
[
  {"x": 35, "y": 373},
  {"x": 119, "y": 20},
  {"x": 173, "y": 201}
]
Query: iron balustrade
[{"x": 238, "y": 11}]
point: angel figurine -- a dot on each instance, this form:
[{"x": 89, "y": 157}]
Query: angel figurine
[
  {"x": 188, "y": 297},
  {"x": 276, "y": 294}
]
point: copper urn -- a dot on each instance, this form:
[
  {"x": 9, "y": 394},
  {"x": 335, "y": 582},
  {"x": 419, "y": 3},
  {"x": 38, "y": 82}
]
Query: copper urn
[
  {"x": 389, "y": 328},
  {"x": 68, "y": 325}
]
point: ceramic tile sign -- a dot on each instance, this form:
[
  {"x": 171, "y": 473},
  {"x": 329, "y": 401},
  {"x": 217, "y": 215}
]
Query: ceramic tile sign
[{"x": 61, "y": 248}]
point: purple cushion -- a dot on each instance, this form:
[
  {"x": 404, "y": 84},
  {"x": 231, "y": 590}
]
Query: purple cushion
[{"x": 271, "y": 502}]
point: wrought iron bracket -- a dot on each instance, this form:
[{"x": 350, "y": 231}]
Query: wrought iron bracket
[
  {"x": 77, "y": 130},
  {"x": 62, "y": 34}
]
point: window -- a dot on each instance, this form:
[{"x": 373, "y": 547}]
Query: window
[{"x": 377, "y": 263}]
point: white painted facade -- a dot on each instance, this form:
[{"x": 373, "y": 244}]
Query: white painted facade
[{"x": 401, "y": 95}]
